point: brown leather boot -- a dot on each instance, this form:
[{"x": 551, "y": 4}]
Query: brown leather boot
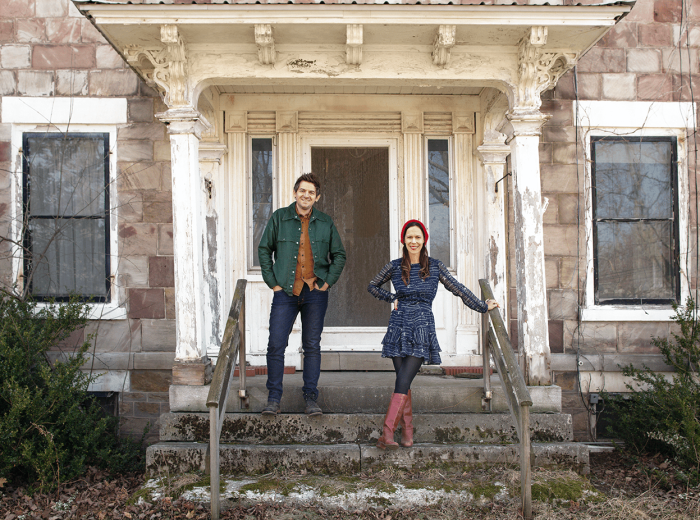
[
  {"x": 391, "y": 421},
  {"x": 407, "y": 423}
]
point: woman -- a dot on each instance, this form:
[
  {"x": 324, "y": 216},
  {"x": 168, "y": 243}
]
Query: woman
[{"x": 410, "y": 339}]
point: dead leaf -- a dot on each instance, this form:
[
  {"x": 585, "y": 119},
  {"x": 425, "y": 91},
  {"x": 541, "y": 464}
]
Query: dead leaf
[
  {"x": 190, "y": 514},
  {"x": 2, "y": 482}
]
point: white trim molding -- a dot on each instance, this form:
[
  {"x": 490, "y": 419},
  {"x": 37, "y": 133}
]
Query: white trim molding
[{"x": 635, "y": 118}]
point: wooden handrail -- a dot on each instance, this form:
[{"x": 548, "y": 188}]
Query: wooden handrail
[
  {"x": 497, "y": 343},
  {"x": 232, "y": 348}
]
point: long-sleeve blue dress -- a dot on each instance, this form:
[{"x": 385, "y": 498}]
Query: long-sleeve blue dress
[{"x": 411, "y": 329}]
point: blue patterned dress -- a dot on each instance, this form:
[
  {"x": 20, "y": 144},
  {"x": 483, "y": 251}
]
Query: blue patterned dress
[{"x": 411, "y": 329}]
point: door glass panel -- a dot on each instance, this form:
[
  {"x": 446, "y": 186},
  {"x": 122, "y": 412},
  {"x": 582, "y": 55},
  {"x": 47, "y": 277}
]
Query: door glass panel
[
  {"x": 355, "y": 193},
  {"x": 261, "y": 174},
  {"x": 439, "y": 199}
]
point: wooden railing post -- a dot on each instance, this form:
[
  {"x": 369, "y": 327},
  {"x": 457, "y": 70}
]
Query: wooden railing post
[{"x": 486, "y": 361}]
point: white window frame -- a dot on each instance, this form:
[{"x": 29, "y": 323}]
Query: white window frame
[
  {"x": 638, "y": 119},
  {"x": 426, "y": 189},
  {"x": 79, "y": 115},
  {"x": 252, "y": 250}
]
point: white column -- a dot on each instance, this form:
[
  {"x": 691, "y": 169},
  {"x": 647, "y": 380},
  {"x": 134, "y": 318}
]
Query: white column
[
  {"x": 533, "y": 336},
  {"x": 289, "y": 166},
  {"x": 185, "y": 126},
  {"x": 413, "y": 178}
]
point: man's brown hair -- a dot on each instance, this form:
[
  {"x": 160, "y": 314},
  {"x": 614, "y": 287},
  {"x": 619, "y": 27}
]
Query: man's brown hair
[{"x": 308, "y": 177}]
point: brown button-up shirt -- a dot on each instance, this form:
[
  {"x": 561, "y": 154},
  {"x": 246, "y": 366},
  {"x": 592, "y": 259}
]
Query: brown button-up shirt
[{"x": 305, "y": 259}]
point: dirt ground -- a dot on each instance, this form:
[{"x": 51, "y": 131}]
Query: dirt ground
[{"x": 620, "y": 486}]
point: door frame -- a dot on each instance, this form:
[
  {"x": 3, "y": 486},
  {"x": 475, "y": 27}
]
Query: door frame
[{"x": 371, "y": 336}]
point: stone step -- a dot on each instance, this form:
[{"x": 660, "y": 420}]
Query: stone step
[
  {"x": 182, "y": 457},
  {"x": 255, "y": 428},
  {"x": 369, "y": 392}
]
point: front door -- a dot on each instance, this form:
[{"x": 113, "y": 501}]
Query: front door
[{"x": 356, "y": 191}]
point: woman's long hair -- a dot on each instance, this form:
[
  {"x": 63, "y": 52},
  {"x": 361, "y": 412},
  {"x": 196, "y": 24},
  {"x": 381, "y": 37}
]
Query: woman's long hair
[{"x": 422, "y": 259}]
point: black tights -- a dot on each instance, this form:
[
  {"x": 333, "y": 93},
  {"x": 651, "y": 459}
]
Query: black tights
[{"x": 406, "y": 369}]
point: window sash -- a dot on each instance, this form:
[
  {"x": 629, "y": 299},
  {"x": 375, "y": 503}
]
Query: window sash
[
  {"x": 90, "y": 214},
  {"x": 640, "y": 262},
  {"x": 439, "y": 176},
  {"x": 261, "y": 199}
]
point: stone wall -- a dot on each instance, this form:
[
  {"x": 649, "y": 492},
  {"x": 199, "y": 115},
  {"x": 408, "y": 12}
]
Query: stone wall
[{"x": 47, "y": 48}]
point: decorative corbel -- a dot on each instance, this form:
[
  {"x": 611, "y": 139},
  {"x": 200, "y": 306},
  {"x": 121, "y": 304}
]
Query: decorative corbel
[
  {"x": 265, "y": 43},
  {"x": 287, "y": 121},
  {"x": 444, "y": 41},
  {"x": 168, "y": 69},
  {"x": 538, "y": 71},
  {"x": 412, "y": 122},
  {"x": 353, "y": 47}
]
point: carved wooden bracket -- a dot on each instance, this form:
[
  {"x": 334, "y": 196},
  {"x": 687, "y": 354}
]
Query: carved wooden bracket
[
  {"x": 353, "y": 47},
  {"x": 538, "y": 71},
  {"x": 444, "y": 41},
  {"x": 168, "y": 65},
  {"x": 265, "y": 43}
]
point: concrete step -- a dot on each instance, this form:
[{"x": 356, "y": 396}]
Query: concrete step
[
  {"x": 369, "y": 392},
  {"x": 181, "y": 457},
  {"x": 254, "y": 428}
]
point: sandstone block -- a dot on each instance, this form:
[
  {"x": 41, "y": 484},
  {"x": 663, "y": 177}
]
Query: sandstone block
[
  {"x": 682, "y": 92},
  {"x": 158, "y": 335},
  {"x": 71, "y": 82},
  {"x": 619, "y": 87},
  {"x": 590, "y": 86},
  {"x": 161, "y": 150},
  {"x": 545, "y": 151},
  {"x": 115, "y": 335},
  {"x": 130, "y": 207},
  {"x": 560, "y": 178},
  {"x": 566, "y": 380},
  {"x": 4, "y": 155},
  {"x": 563, "y": 304},
  {"x": 30, "y": 30},
  {"x": 107, "y": 58},
  {"x": 559, "y": 134},
  {"x": 146, "y": 303},
  {"x": 550, "y": 215},
  {"x": 565, "y": 87},
  {"x": 682, "y": 62},
  {"x": 34, "y": 83},
  {"x": 601, "y": 59},
  {"x": 596, "y": 337},
  {"x": 140, "y": 110},
  {"x": 126, "y": 409},
  {"x": 556, "y": 336},
  {"x": 643, "y": 11},
  {"x": 560, "y": 110},
  {"x": 157, "y": 211},
  {"x": 137, "y": 239},
  {"x": 564, "y": 153},
  {"x": 88, "y": 33},
  {"x": 654, "y": 87},
  {"x": 166, "y": 183},
  {"x": 151, "y": 380},
  {"x": 8, "y": 84},
  {"x": 635, "y": 338},
  {"x": 113, "y": 82},
  {"x": 668, "y": 11},
  {"x": 560, "y": 240},
  {"x": 624, "y": 35},
  {"x": 15, "y": 56},
  {"x": 644, "y": 60},
  {"x": 18, "y": 8},
  {"x": 655, "y": 35},
  {"x": 144, "y": 175},
  {"x": 135, "y": 151},
  {"x": 147, "y": 410},
  {"x": 51, "y": 8},
  {"x": 169, "y": 303},
  {"x": 152, "y": 131},
  {"x": 63, "y": 30},
  {"x": 551, "y": 270},
  {"x": 161, "y": 271},
  {"x": 568, "y": 209},
  {"x": 165, "y": 239},
  {"x": 49, "y": 57},
  {"x": 7, "y": 31},
  {"x": 133, "y": 270}
]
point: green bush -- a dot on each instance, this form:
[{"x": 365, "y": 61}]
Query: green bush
[
  {"x": 659, "y": 415},
  {"x": 50, "y": 427}
]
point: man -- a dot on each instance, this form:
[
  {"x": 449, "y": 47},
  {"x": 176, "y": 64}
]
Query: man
[{"x": 308, "y": 260}]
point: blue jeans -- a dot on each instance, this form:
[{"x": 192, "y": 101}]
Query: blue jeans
[{"x": 312, "y": 305}]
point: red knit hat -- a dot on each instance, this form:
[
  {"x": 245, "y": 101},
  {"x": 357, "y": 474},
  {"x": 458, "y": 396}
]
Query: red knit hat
[{"x": 412, "y": 223}]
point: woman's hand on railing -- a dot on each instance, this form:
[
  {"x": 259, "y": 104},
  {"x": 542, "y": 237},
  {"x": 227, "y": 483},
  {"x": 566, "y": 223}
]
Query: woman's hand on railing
[{"x": 492, "y": 304}]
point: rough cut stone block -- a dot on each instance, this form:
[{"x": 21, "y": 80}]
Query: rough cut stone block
[
  {"x": 113, "y": 83},
  {"x": 166, "y": 183},
  {"x": 563, "y": 304},
  {"x": 33, "y": 83},
  {"x": 654, "y": 87},
  {"x": 596, "y": 337},
  {"x": 161, "y": 271},
  {"x": 682, "y": 92},
  {"x": 152, "y": 131},
  {"x": 18, "y": 8},
  {"x": 681, "y": 62},
  {"x": 644, "y": 60},
  {"x": 169, "y": 303},
  {"x": 158, "y": 335},
  {"x": 619, "y": 87},
  {"x": 157, "y": 207},
  {"x": 161, "y": 150},
  {"x": 135, "y": 151},
  {"x": 140, "y": 110},
  {"x": 643, "y": 11},
  {"x": 7, "y": 31},
  {"x": 560, "y": 240},
  {"x": 4, "y": 157},
  {"x": 165, "y": 239},
  {"x": 143, "y": 175},
  {"x": 559, "y": 178},
  {"x": 130, "y": 207},
  {"x": 635, "y": 338},
  {"x": 147, "y": 410},
  {"x": 655, "y": 35},
  {"x": 138, "y": 239},
  {"x": 134, "y": 270},
  {"x": 115, "y": 335},
  {"x": 63, "y": 57},
  {"x": 600, "y": 59},
  {"x": 564, "y": 153},
  {"x": 151, "y": 380},
  {"x": 8, "y": 84},
  {"x": 147, "y": 303},
  {"x": 71, "y": 83},
  {"x": 556, "y": 336},
  {"x": 559, "y": 134},
  {"x": 88, "y": 33},
  {"x": 624, "y": 34},
  {"x": 560, "y": 110},
  {"x": 668, "y": 11},
  {"x": 107, "y": 58},
  {"x": 550, "y": 215},
  {"x": 51, "y": 8},
  {"x": 30, "y": 30},
  {"x": 63, "y": 30},
  {"x": 15, "y": 56},
  {"x": 590, "y": 86}
]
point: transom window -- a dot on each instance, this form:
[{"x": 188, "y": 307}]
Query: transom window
[
  {"x": 66, "y": 215},
  {"x": 635, "y": 220}
]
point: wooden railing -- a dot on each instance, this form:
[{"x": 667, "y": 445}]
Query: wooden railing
[
  {"x": 232, "y": 347},
  {"x": 497, "y": 346}
]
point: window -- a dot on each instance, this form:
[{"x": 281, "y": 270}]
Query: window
[
  {"x": 635, "y": 226},
  {"x": 261, "y": 169},
  {"x": 439, "y": 199},
  {"x": 66, "y": 215}
]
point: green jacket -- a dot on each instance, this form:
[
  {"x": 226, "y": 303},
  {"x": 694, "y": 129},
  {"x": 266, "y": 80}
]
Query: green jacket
[{"x": 281, "y": 239}]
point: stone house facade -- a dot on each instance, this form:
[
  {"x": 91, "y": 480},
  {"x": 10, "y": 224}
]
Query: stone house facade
[{"x": 90, "y": 68}]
